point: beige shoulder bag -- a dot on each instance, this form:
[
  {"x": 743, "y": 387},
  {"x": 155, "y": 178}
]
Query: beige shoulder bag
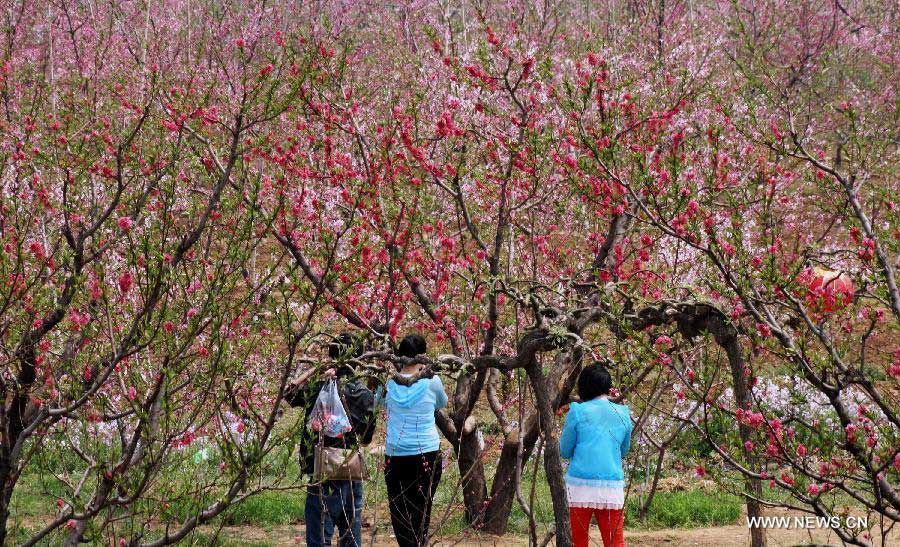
[{"x": 338, "y": 464}]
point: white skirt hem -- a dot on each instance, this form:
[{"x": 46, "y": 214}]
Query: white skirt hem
[
  {"x": 588, "y": 505},
  {"x": 596, "y": 497}
]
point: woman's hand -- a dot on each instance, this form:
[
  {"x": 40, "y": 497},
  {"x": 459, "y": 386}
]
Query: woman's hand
[
  {"x": 301, "y": 379},
  {"x": 304, "y": 376}
]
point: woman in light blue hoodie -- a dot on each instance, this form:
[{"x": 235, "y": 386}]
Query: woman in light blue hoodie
[
  {"x": 595, "y": 437},
  {"x": 412, "y": 450}
]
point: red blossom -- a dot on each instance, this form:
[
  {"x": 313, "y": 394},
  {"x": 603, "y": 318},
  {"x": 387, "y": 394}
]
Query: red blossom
[{"x": 126, "y": 281}]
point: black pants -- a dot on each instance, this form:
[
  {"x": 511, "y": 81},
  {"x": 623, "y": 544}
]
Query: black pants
[{"x": 411, "y": 483}]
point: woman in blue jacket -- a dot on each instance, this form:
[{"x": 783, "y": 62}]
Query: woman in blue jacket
[
  {"x": 412, "y": 449},
  {"x": 595, "y": 437}
]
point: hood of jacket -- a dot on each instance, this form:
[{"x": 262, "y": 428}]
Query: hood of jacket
[{"x": 406, "y": 396}]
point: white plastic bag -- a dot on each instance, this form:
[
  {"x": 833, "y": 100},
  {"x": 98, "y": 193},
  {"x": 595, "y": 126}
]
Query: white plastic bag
[{"x": 329, "y": 415}]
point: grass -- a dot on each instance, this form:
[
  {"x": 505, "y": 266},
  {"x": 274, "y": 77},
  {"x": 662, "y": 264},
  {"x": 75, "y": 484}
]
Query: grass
[
  {"x": 685, "y": 509},
  {"x": 268, "y": 509},
  {"x": 222, "y": 540}
]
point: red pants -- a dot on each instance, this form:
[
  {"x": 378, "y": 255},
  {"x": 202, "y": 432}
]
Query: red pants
[{"x": 611, "y": 522}]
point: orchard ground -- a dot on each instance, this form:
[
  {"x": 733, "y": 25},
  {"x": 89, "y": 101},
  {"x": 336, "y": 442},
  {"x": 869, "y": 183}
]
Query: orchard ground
[
  {"x": 276, "y": 519},
  {"x": 686, "y": 511},
  {"x": 712, "y": 536}
]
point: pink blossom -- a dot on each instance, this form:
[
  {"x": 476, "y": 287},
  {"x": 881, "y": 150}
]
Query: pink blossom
[
  {"x": 125, "y": 223},
  {"x": 37, "y": 249},
  {"x": 126, "y": 281},
  {"x": 850, "y": 429},
  {"x": 868, "y": 250},
  {"x": 754, "y": 419}
]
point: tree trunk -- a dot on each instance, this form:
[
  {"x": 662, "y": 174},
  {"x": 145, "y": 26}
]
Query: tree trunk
[
  {"x": 726, "y": 336},
  {"x": 471, "y": 472},
  {"x": 645, "y": 507},
  {"x": 13, "y": 425},
  {"x": 503, "y": 489},
  {"x": 7, "y": 483},
  {"x": 468, "y": 459},
  {"x": 552, "y": 459}
]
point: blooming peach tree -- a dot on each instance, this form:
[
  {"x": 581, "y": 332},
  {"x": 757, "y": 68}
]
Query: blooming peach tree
[
  {"x": 138, "y": 285},
  {"x": 698, "y": 193}
]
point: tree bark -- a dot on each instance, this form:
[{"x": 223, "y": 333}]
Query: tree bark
[
  {"x": 727, "y": 337},
  {"x": 552, "y": 459},
  {"x": 503, "y": 489},
  {"x": 7, "y": 484},
  {"x": 657, "y": 471},
  {"x": 471, "y": 472}
]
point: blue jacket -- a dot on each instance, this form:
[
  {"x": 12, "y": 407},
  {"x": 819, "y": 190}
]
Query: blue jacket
[
  {"x": 596, "y": 436},
  {"x": 410, "y": 417}
]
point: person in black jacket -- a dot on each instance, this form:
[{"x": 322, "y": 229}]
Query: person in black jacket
[{"x": 334, "y": 503}]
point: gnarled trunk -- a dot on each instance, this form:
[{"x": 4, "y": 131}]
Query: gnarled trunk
[
  {"x": 471, "y": 472},
  {"x": 503, "y": 489},
  {"x": 7, "y": 484},
  {"x": 552, "y": 459}
]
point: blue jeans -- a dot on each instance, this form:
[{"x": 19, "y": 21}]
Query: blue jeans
[{"x": 334, "y": 503}]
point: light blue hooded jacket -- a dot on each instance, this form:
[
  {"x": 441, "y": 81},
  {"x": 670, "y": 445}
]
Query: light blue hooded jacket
[
  {"x": 596, "y": 436},
  {"x": 410, "y": 417}
]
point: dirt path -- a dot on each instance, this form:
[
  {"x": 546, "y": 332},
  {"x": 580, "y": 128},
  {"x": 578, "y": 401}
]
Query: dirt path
[
  {"x": 718, "y": 536},
  {"x": 733, "y": 536}
]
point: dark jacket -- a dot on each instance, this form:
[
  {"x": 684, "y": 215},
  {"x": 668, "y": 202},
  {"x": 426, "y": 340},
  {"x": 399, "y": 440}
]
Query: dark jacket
[{"x": 360, "y": 404}]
